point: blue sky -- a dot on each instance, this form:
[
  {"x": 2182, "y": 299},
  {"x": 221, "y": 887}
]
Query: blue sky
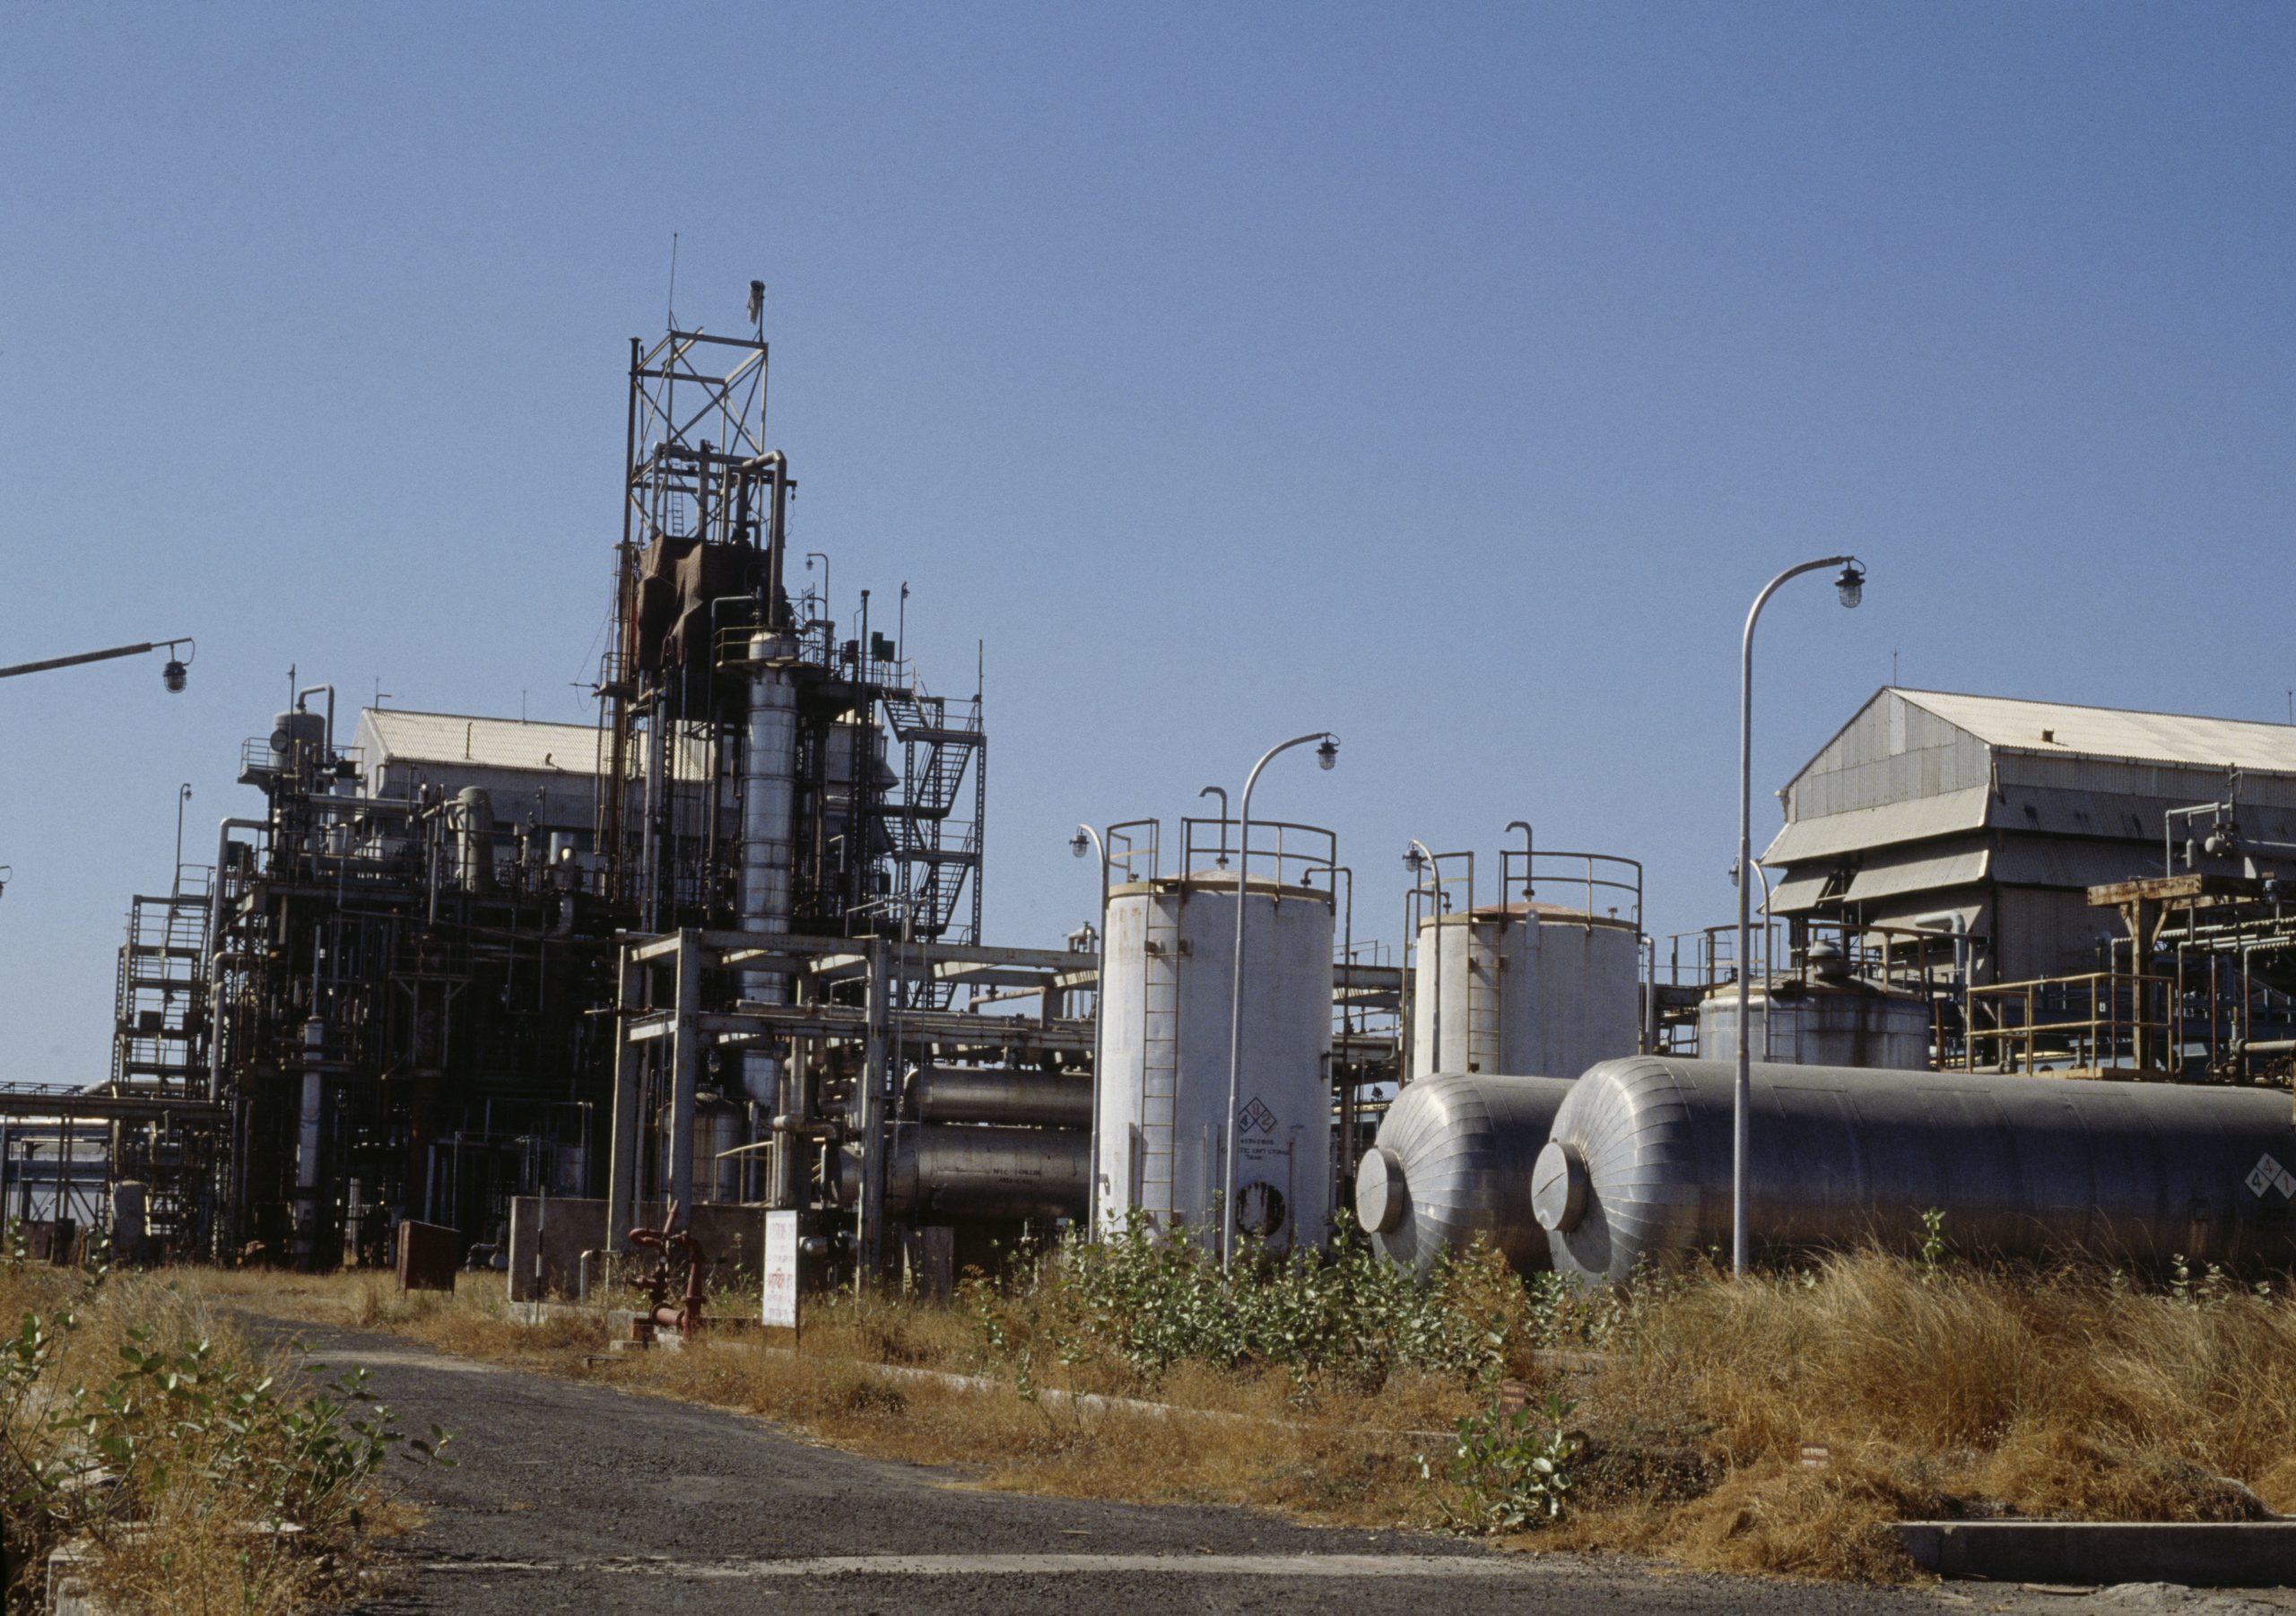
[{"x": 1449, "y": 378}]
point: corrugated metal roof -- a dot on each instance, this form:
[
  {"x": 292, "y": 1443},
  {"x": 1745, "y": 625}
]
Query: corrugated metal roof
[
  {"x": 2104, "y": 732},
  {"x": 396, "y": 736}
]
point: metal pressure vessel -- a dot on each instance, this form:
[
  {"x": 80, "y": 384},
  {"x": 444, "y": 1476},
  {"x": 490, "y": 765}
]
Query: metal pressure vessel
[
  {"x": 1164, "y": 1126},
  {"x": 1638, "y": 1166},
  {"x": 978, "y": 1172},
  {"x": 1044, "y": 1099},
  {"x": 1453, "y": 1160}
]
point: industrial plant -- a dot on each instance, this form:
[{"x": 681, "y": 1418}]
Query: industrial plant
[{"x": 722, "y": 954}]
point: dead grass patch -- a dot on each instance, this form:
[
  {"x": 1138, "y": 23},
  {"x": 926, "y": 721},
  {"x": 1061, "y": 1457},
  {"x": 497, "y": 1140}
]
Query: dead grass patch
[{"x": 1966, "y": 1391}]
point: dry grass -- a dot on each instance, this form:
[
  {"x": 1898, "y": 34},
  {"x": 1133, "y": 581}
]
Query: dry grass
[
  {"x": 177, "y": 1524},
  {"x": 1966, "y": 1391}
]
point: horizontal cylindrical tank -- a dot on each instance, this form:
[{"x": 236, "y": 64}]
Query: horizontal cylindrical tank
[
  {"x": 1163, "y": 1073},
  {"x": 1004, "y": 1094},
  {"x": 1638, "y": 1165},
  {"x": 1453, "y": 1160},
  {"x": 979, "y": 1172},
  {"x": 1517, "y": 987},
  {"x": 1818, "y": 1024}
]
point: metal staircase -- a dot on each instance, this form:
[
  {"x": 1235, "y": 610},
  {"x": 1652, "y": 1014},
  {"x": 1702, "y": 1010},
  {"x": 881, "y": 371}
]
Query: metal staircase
[
  {"x": 937, "y": 857},
  {"x": 160, "y": 997}
]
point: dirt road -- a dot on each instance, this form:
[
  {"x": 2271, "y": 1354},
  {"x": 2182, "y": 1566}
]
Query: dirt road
[{"x": 573, "y": 1497}]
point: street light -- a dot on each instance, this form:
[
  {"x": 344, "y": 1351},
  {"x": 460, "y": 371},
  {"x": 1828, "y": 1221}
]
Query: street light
[
  {"x": 1851, "y": 587},
  {"x": 183, "y": 796},
  {"x": 1416, "y": 858},
  {"x": 1327, "y": 754},
  {"x": 1084, "y": 841},
  {"x": 173, "y": 675}
]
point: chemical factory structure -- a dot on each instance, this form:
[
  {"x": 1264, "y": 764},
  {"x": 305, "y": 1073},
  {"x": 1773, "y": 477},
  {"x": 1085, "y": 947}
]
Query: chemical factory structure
[{"x": 542, "y": 984}]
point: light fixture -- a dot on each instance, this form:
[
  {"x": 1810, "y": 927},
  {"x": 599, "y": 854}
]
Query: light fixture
[
  {"x": 1327, "y": 753},
  {"x": 1080, "y": 844},
  {"x": 1411, "y": 861},
  {"x": 1851, "y": 583}
]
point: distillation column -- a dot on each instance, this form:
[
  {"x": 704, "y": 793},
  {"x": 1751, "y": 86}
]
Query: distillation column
[{"x": 768, "y": 812}]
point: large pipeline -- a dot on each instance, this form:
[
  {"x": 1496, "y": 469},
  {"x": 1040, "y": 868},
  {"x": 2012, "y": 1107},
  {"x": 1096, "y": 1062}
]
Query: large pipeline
[
  {"x": 978, "y": 1172},
  {"x": 1450, "y": 1163},
  {"x": 1000, "y": 1094},
  {"x": 1638, "y": 1166}
]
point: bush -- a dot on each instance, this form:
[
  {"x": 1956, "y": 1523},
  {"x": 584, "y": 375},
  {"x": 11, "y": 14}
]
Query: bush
[
  {"x": 1146, "y": 1302},
  {"x": 201, "y": 1478}
]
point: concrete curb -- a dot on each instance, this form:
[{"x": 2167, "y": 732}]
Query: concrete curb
[{"x": 2214, "y": 1554}]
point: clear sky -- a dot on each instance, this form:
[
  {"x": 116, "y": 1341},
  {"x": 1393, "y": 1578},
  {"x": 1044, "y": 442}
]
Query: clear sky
[{"x": 1448, "y": 376}]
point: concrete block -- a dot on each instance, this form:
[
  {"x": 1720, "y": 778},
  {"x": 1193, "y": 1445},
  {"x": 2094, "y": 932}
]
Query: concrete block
[{"x": 2214, "y": 1554}]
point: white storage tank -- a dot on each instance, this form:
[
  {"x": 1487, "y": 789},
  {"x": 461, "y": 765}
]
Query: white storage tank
[
  {"x": 1525, "y": 988},
  {"x": 1166, "y": 979},
  {"x": 1818, "y": 1023}
]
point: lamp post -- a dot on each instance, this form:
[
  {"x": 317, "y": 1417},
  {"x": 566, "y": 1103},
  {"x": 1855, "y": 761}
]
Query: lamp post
[
  {"x": 1327, "y": 754},
  {"x": 1416, "y": 859},
  {"x": 1088, "y": 839},
  {"x": 1851, "y": 585},
  {"x": 183, "y": 796}
]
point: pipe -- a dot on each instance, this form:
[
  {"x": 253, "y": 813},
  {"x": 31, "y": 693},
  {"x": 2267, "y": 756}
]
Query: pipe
[{"x": 313, "y": 690}]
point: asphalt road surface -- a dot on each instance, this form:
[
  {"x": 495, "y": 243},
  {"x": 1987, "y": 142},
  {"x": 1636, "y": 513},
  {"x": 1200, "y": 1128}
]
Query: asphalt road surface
[{"x": 582, "y": 1498}]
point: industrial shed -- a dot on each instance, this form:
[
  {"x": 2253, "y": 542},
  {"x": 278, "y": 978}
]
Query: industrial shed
[{"x": 1993, "y": 816}]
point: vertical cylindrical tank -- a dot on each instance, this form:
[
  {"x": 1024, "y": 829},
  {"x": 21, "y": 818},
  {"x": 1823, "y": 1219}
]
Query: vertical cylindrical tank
[
  {"x": 769, "y": 816},
  {"x": 474, "y": 838},
  {"x": 1163, "y": 1070},
  {"x": 719, "y": 1126},
  {"x": 1638, "y": 1166},
  {"x": 1453, "y": 1160},
  {"x": 1524, "y": 988},
  {"x": 297, "y": 735},
  {"x": 130, "y": 1198},
  {"x": 1818, "y": 1023}
]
